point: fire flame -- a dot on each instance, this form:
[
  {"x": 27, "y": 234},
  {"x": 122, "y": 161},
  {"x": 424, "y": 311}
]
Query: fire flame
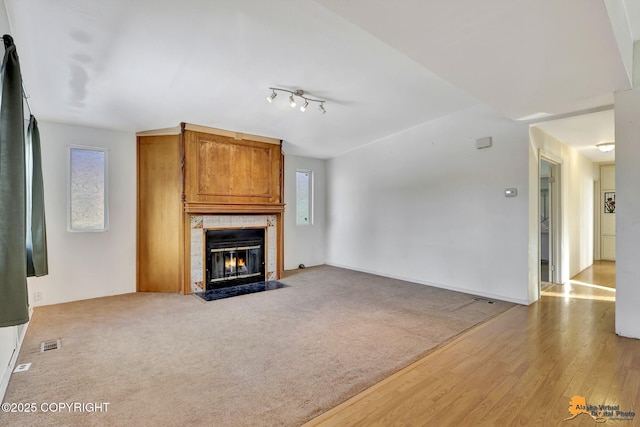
[{"x": 231, "y": 263}]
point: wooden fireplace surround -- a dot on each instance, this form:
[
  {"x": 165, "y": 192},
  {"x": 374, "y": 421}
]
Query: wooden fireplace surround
[{"x": 196, "y": 170}]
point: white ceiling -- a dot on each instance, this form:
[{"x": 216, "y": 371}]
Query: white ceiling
[
  {"x": 382, "y": 66},
  {"x": 584, "y": 132},
  {"x": 520, "y": 57}
]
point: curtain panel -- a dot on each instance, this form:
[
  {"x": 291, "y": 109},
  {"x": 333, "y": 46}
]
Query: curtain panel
[
  {"x": 37, "y": 264},
  {"x": 23, "y": 251}
]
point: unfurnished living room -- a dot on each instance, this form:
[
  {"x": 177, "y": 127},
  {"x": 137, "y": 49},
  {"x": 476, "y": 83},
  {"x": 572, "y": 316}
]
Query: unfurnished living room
[{"x": 320, "y": 213}]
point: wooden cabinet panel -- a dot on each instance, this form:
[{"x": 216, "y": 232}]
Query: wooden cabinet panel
[
  {"x": 261, "y": 183},
  {"x": 220, "y": 169},
  {"x": 159, "y": 214},
  {"x": 213, "y": 167},
  {"x": 230, "y": 169},
  {"x": 250, "y": 175}
]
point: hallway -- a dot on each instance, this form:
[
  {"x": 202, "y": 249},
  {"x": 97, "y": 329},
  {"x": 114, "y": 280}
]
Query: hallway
[
  {"x": 602, "y": 273},
  {"x": 595, "y": 282},
  {"x": 523, "y": 367}
]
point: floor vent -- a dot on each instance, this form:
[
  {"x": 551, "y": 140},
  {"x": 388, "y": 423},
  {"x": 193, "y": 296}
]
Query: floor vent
[
  {"x": 488, "y": 301},
  {"x": 50, "y": 345}
]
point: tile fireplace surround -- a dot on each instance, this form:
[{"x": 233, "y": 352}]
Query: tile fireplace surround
[{"x": 200, "y": 224}]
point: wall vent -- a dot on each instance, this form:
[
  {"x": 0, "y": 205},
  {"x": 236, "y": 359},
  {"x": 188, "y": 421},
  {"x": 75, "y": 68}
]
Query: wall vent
[
  {"x": 50, "y": 345},
  {"x": 488, "y": 301}
]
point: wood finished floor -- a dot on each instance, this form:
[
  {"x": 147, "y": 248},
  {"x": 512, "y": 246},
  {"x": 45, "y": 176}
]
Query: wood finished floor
[
  {"x": 521, "y": 368},
  {"x": 602, "y": 273}
]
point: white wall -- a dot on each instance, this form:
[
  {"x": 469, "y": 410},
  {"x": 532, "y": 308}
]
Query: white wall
[
  {"x": 578, "y": 175},
  {"x": 425, "y": 205},
  {"x": 579, "y": 209},
  {"x": 87, "y": 265},
  {"x": 304, "y": 244},
  {"x": 627, "y": 106},
  {"x": 618, "y": 16}
]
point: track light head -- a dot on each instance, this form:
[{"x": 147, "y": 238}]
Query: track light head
[{"x": 292, "y": 100}]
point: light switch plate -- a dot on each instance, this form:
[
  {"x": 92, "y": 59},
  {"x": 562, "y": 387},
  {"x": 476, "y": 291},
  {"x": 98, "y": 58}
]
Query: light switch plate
[
  {"x": 484, "y": 142},
  {"x": 511, "y": 192}
]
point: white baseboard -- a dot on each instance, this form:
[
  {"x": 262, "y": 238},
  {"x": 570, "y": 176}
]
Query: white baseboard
[{"x": 437, "y": 285}]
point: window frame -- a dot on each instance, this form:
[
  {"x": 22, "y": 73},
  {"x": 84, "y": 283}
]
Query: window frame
[
  {"x": 105, "y": 151},
  {"x": 311, "y": 197}
]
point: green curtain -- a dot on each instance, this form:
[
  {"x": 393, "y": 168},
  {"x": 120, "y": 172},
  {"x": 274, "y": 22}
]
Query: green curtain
[
  {"x": 36, "y": 240},
  {"x": 14, "y": 303}
]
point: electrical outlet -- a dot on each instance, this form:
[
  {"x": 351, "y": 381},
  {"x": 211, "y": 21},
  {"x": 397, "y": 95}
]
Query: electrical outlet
[
  {"x": 37, "y": 296},
  {"x": 22, "y": 368}
]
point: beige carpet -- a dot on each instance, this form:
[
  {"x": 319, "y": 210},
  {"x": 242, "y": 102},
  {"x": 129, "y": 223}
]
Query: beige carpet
[{"x": 279, "y": 357}]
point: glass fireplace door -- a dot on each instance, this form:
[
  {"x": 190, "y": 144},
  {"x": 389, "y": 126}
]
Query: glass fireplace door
[{"x": 235, "y": 263}]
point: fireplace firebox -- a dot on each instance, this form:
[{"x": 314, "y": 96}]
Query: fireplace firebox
[{"x": 234, "y": 257}]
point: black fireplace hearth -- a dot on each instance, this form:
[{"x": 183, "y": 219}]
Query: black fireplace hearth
[{"x": 234, "y": 291}]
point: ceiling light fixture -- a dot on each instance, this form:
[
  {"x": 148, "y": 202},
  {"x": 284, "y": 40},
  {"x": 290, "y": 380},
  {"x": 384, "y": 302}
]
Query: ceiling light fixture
[
  {"x": 605, "y": 147},
  {"x": 297, "y": 93}
]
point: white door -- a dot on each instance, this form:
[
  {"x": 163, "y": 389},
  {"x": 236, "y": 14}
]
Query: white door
[{"x": 549, "y": 205}]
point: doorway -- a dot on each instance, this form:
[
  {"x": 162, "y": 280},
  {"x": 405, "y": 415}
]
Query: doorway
[
  {"x": 607, "y": 212},
  {"x": 549, "y": 207}
]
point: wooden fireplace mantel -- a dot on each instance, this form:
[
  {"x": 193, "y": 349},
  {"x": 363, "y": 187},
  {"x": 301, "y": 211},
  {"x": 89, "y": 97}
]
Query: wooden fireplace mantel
[
  {"x": 214, "y": 208},
  {"x": 196, "y": 170}
]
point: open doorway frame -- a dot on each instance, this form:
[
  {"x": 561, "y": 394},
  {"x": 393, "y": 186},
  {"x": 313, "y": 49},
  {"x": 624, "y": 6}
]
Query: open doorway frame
[{"x": 550, "y": 224}]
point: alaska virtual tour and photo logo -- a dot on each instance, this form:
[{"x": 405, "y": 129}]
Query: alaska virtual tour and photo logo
[{"x": 600, "y": 413}]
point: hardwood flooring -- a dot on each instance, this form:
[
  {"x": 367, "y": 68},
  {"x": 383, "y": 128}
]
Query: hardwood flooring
[
  {"x": 520, "y": 368},
  {"x": 602, "y": 273}
]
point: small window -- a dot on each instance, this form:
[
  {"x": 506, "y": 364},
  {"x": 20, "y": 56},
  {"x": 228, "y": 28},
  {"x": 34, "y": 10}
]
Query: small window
[
  {"x": 87, "y": 192},
  {"x": 304, "y": 197}
]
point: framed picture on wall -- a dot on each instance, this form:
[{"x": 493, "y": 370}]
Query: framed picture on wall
[{"x": 610, "y": 202}]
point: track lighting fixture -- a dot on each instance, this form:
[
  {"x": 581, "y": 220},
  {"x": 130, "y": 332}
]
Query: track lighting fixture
[{"x": 292, "y": 100}]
